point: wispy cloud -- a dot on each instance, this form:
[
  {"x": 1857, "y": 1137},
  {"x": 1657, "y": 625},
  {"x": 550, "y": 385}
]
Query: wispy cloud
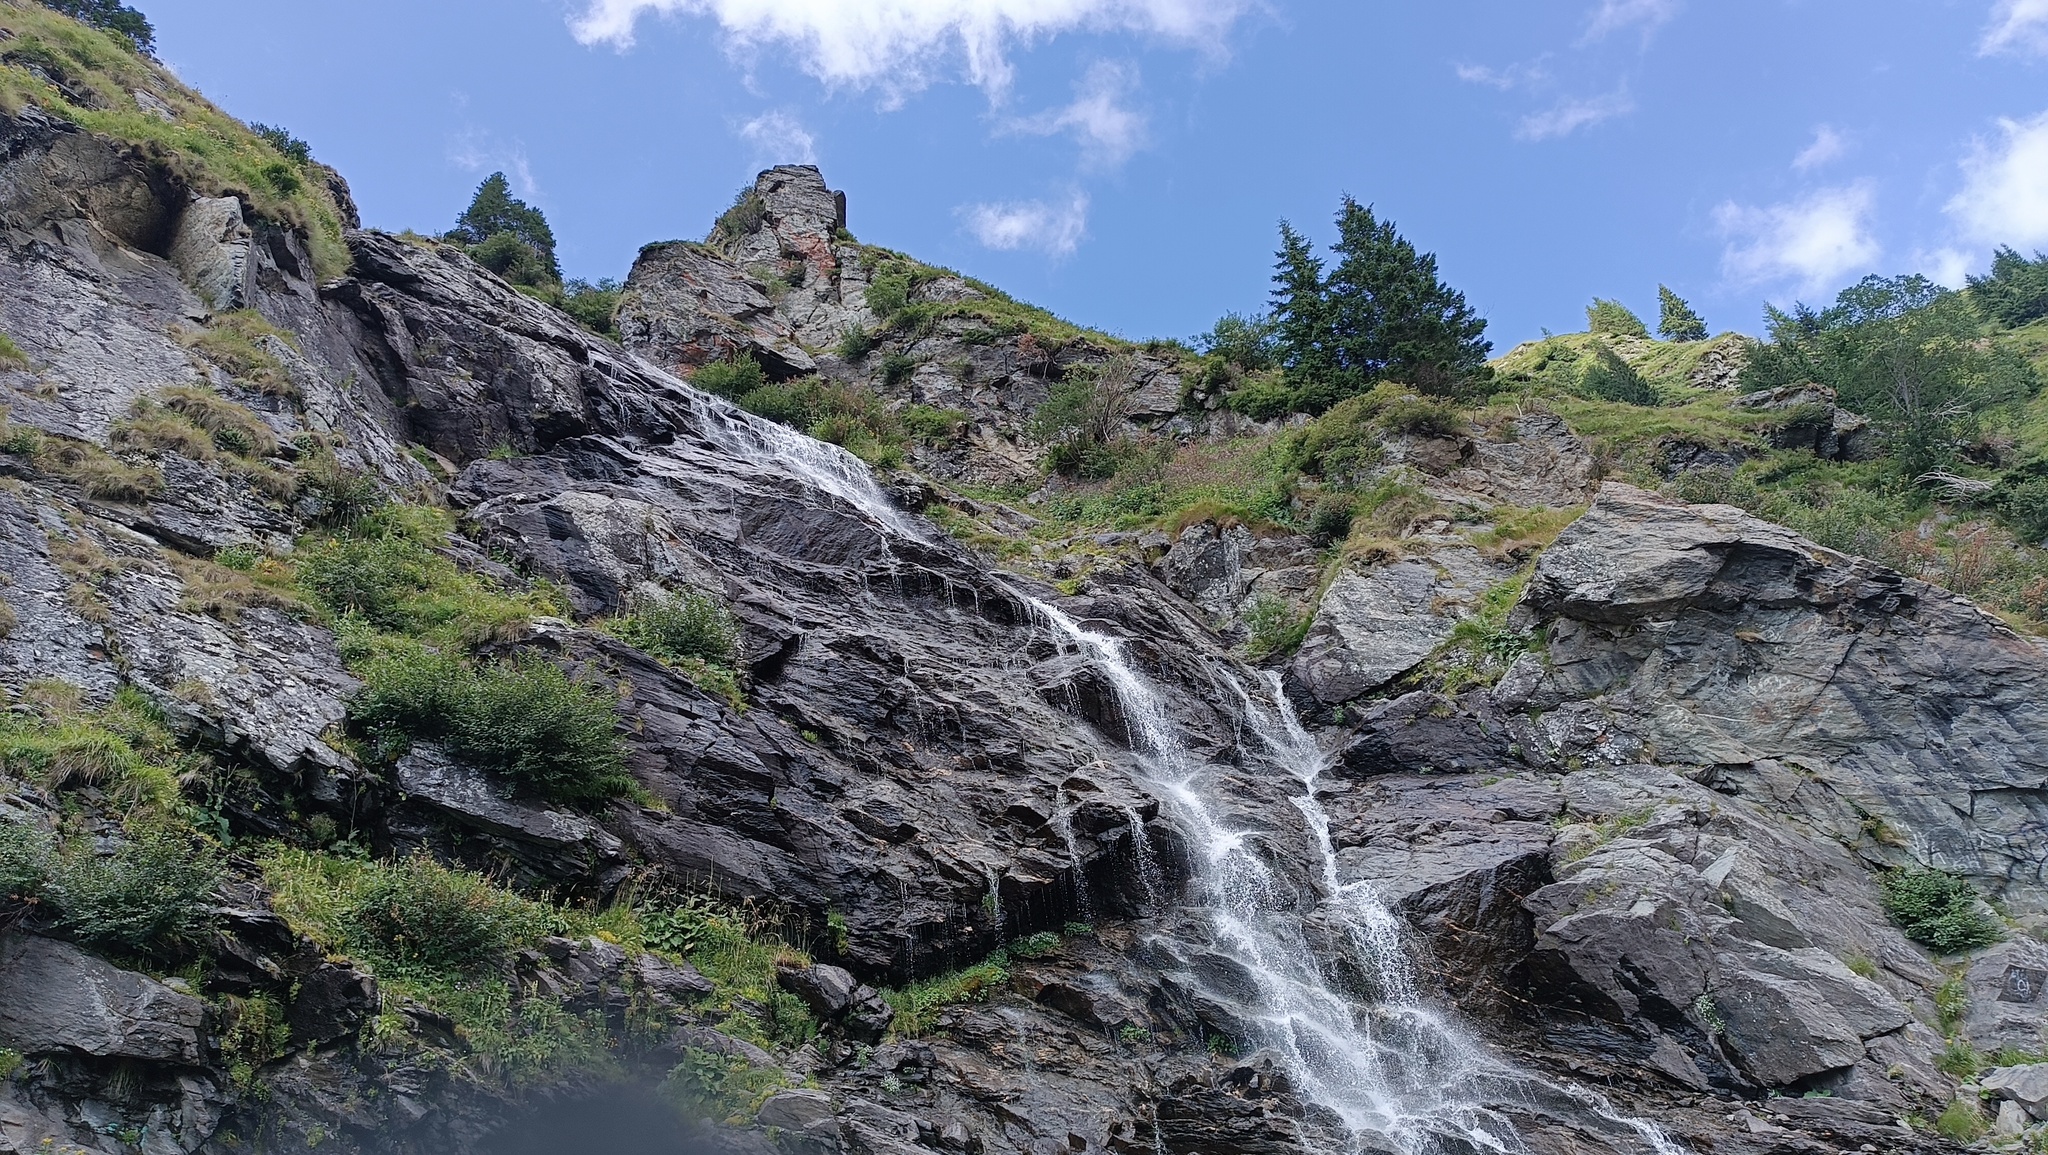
[
  {"x": 1621, "y": 15},
  {"x": 2017, "y": 26},
  {"x": 1828, "y": 146},
  {"x": 897, "y": 44},
  {"x": 779, "y": 138},
  {"x": 1100, "y": 118},
  {"x": 1506, "y": 79},
  {"x": 1054, "y": 228},
  {"x": 2004, "y": 198},
  {"x": 476, "y": 151},
  {"x": 1810, "y": 243},
  {"x": 1571, "y": 115}
]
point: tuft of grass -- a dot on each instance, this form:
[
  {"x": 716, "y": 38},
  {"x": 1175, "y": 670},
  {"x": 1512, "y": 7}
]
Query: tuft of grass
[
  {"x": 919, "y": 1004},
  {"x": 692, "y": 633},
  {"x": 126, "y": 750},
  {"x": 1961, "y": 1121},
  {"x": 1272, "y": 627},
  {"x": 11, "y": 356},
  {"x": 236, "y": 342}
]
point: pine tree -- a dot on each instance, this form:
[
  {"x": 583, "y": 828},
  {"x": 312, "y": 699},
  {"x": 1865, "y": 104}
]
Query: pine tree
[
  {"x": 1677, "y": 321},
  {"x": 111, "y": 16},
  {"x": 1381, "y": 314},
  {"x": 2016, "y": 292},
  {"x": 1614, "y": 319},
  {"x": 508, "y": 236}
]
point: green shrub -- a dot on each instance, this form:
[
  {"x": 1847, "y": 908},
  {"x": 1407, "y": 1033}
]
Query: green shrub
[
  {"x": 1937, "y": 908},
  {"x": 11, "y": 356},
  {"x": 131, "y": 26},
  {"x": 857, "y": 343},
  {"x": 918, "y": 1005},
  {"x": 888, "y": 295},
  {"x": 721, "y": 1088},
  {"x": 1614, "y": 319},
  {"x": 151, "y": 896},
  {"x": 1247, "y": 342},
  {"x": 1421, "y": 417},
  {"x": 897, "y": 368},
  {"x": 1272, "y": 628},
  {"x": 341, "y": 497},
  {"x": 593, "y": 306},
  {"x": 2022, "y": 502},
  {"x": 931, "y": 425},
  {"x": 1329, "y": 519},
  {"x": 681, "y": 626},
  {"x": 553, "y": 736},
  {"x": 418, "y": 913},
  {"x": 24, "y": 862},
  {"x": 1610, "y": 378},
  {"x": 1262, "y": 397},
  {"x": 372, "y": 578},
  {"x": 730, "y": 379},
  {"x": 747, "y": 213},
  {"x": 2016, "y": 292},
  {"x": 290, "y": 147},
  {"x": 1961, "y": 1121}
]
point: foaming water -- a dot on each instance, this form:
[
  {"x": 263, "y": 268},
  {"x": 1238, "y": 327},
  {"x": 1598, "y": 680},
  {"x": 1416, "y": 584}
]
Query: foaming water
[{"x": 1386, "y": 1063}]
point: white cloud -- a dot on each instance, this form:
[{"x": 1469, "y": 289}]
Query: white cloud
[
  {"x": 1619, "y": 15},
  {"x": 1010, "y": 225},
  {"x": 1570, "y": 116},
  {"x": 1949, "y": 267},
  {"x": 1828, "y": 145},
  {"x": 779, "y": 138},
  {"x": 1811, "y": 243},
  {"x": 1109, "y": 131},
  {"x": 1512, "y": 77},
  {"x": 2017, "y": 26},
  {"x": 895, "y": 44},
  {"x": 2004, "y": 199}
]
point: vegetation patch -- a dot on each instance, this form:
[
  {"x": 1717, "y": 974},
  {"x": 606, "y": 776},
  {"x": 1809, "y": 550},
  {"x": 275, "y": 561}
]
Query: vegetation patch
[
  {"x": 237, "y": 342},
  {"x": 1938, "y": 909},
  {"x": 692, "y": 632}
]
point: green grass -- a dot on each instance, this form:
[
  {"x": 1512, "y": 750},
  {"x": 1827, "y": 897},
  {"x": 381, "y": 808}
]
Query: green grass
[
  {"x": 210, "y": 150},
  {"x": 11, "y": 356},
  {"x": 126, "y": 751},
  {"x": 919, "y": 1005}
]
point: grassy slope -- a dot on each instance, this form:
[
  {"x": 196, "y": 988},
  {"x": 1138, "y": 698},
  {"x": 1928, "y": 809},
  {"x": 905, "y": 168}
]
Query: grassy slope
[{"x": 215, "y": 153}]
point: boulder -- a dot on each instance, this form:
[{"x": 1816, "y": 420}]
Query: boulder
[
  {"x": 1378, "y": 623},
  {"x": 2025, "y": 1085},
  {"x": 210, "y": 249},
  {"x": 60, "y": 1000},
  {"x": 839, "y": 1000}
]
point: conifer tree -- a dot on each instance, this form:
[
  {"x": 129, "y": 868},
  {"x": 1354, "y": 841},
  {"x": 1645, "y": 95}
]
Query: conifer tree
[
  {"x": 1381, "y": 314},
  {"x": 1614, "y": 319},
  {"x": 1677, "y": 321},
  {"x": 508, "y": 236}
]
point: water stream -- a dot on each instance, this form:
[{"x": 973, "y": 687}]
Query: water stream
[{"x": 1395, "y": 1070}]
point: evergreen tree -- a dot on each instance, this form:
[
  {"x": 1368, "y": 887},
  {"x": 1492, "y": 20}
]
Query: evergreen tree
[
  {"x": 1381, "y": 314},
  {"x": 1614, "y": 319},
  {"x": 508, "y": 236},
  {"x": 2016, "y": 292},
  {"x": 1678, "y": 322}
]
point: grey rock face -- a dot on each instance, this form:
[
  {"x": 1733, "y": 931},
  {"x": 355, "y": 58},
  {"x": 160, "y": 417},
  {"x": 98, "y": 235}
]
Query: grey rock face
[
  {"x": 563, "y": 845},
  {"x": 1814, "y": 422},
  {"x": 61, "y": 1000},
  {"x": 1715, "y": 639},
  {"x": 1374, "y": 625},
  {"x": 838, "y": 999},
  {"x": 2026, "y": 1086},
  {"x": 210, "y": 249}
]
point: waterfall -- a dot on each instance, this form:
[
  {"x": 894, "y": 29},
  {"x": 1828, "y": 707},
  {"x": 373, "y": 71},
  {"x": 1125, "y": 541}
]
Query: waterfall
[{"x": 1389, "y": 1066}]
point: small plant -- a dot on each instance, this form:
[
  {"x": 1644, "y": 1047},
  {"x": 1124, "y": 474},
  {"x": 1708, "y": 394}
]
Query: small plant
[
  {"x": 1421, "y": 417},
  {"x": 897, "y": 368},
  {"x": 1960, "y": 1059},
  {"x": 1039, "y": 945},
  {"x": 1272, "y": 627},
  {"x": 1951, "y": 1002},
  {"x": 1134, "y": 1035},
  {"x": 675, "y": 627},
  {"x": 11, "y": 356},
  {"x": 730, "y": 379},
  {"x": 857, "y": 343},
  {"x": 747, "y": 213},
  {"x": 25, "y": 853},
  {"x": 1938, "y": 909},
  {"x": 918, "y": 1005},
  {"x": 1961, "y": 1121},
  {"x": 1708, "y": 1013},
  {"x": 150, "y": 897},
  {"x": 239, "y": 557},
  {"x": 290, "y": 147},
  {"x": 10, "y": 1062},
  {"x": 418, "y": 913},
  {"x": 932, "y": 426}
]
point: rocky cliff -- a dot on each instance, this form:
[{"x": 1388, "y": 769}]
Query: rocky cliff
[{"x": 992, "y": 838}]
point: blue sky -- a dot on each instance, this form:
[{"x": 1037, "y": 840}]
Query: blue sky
[{"x": 1124, "y": 162}]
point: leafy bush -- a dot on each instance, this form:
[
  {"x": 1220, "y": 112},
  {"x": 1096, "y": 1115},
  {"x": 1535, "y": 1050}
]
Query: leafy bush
[
  {"x": 897, "y": 368},
  {"x": 290, "y": 147},
  {"x": 730, "y": 379},
  {"x": 1421, "y": 417},
  {"x": 1610, "y": 378},
  {"x": 918, "y": 1005},
  {"x": 593, "y": 306},
  {"x": 375, "y": 579},
  {"x": 1937, "y": 908},
  {"x": 341, "y": 498},
  {"x": 418, "y": 913},
  {"x": 1329, "y": 519},
  {"x": 11, "y": 356},
  {"x": 111, "y": 16},
  {"x": 507, "y": 236},
  {"x": 151, "y": 896},
  {"x": 1614, "y": 319},
  {"x": 680, "y": 626},
  {"x": 722, "y": 1088},
  {"x": 857, "y": 343},
  {"x": 553, "y": 736},
  {"x": 1083, "y": 416},
  {"x": 930, "y": 425},
  {"x": 1272, "y": 628},
  {"x": 24, "y": 862},
  {"x": 888, "y": 294},
  {"x": 2022, "y": 502},
  {"x": 1247, "y": 342},
  {"x": 1262, "y": 397}
]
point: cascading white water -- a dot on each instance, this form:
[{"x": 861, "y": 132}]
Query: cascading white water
[{"x": 1390, "y": 1067}]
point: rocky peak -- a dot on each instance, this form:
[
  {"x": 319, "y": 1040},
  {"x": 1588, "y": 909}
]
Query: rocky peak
[{"x": 800, "y": 217}]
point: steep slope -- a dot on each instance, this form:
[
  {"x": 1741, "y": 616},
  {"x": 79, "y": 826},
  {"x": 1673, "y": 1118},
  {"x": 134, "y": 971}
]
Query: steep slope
[{"x": 1130, "y": 892}]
